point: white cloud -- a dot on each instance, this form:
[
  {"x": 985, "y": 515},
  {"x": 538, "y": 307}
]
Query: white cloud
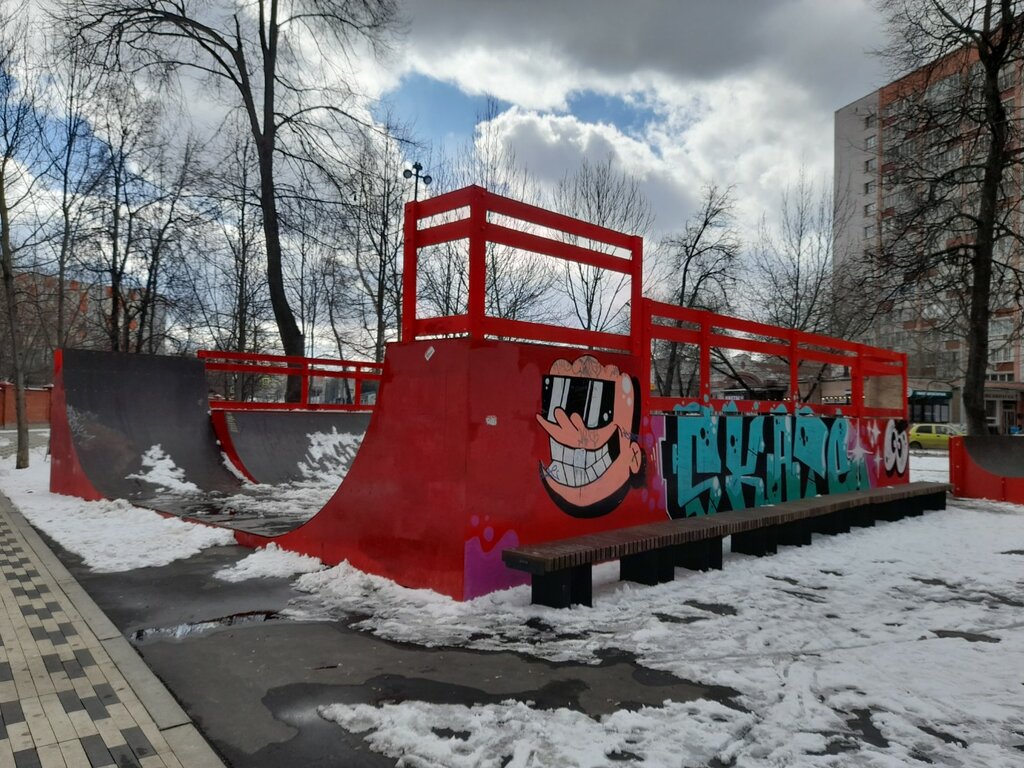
[{"x": 743, "y": 92}]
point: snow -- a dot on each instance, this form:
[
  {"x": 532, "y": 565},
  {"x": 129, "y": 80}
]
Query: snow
[
  {"x": 109, "y": 536},
  {"x": 895, "y": 645},
  {"x": 269, "y": 562},
  {"x": 161, "y": 471},
  {"x": 887, "y": 646},
  {"x": 326, "y": 464},
  {"x": 329, "y": 456},
  {"x": 487, "y": 735}
]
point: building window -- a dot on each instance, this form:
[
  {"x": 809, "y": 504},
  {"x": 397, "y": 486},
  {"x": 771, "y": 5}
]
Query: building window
[
  {"x": 1006, "y": 77},
  {"x": 869, "y": 121},
  {"x": 869, "y": 209},
  {"x": 870, "y": 164},
  {"x": 869, "y": 188},
  {"x": 869, "y": 232},
  {"x": 871, "y": 142}
]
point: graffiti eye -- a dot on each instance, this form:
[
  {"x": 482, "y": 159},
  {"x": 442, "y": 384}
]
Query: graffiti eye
[{"x": 593, "y": 400}]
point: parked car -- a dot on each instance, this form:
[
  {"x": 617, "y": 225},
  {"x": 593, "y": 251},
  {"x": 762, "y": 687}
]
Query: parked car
[{"x": 932, "y": 435}]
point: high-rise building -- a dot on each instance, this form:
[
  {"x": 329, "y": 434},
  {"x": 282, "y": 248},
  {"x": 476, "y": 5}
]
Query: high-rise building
[{"x": 877, "y": 138}]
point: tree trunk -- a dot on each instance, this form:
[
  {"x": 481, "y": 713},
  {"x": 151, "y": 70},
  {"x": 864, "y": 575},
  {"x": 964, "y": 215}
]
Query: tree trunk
[
  {"x": 10, "y": 294},
  {"x": 291, "y": 337},
  {"x": 981, "y": 262}
]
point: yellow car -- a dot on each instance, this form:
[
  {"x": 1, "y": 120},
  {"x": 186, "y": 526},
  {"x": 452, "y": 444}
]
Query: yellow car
[{"x": 932, "y": 435}]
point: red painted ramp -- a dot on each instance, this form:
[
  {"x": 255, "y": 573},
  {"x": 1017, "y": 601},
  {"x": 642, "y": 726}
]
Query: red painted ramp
[
  {"x": 987, "y": 467},
  {"x": 448, "y": 473}
]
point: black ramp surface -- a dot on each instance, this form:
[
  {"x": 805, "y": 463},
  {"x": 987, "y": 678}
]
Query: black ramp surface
[
  {"x": 272, "y": 444},
  {"x": 999, "y": 454},
  {"x": 119, "y": 406}
]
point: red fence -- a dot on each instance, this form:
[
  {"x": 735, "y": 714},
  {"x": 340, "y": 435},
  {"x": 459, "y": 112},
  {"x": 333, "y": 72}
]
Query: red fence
[
  {"x": 307, "y": 368},
  {"x": 472, "y": 214},
  {"x": 479, "y": 227},
  {"x": 876, "y": 374}
]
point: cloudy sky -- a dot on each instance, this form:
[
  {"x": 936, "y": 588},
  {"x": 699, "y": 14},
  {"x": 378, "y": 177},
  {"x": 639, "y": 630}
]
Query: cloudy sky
[{"x": 678, "y": 92}]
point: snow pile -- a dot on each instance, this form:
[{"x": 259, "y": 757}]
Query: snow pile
[
  {"x": 161, "y": 471},
  {"x": 108, "y": 535},
  {"x": 893, "y": 645},
  {"x": 269, "y": 562},
  {"x": 329, "y": 456},
  {"x": 511, "y": 734},
  {"x": 300, "y": 500}
]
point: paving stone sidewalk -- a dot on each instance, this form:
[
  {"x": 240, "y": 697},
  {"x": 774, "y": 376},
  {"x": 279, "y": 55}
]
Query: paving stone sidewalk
[{"x": 73, "y": 691}]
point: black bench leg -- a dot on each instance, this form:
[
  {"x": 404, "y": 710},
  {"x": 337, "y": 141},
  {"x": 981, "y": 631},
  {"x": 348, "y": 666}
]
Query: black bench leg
[
  {"x": 561, "y": 589},
  {"x": 700, "y": 555},
  {"x": 833, "y": 523},
  {"x": 795, "y": 534},
  {"x": 891, "y": 511},
  {"x": 759, "y": 542},
  {"x": 654, "y": 567},
  {"x": 862, "y": 517}
]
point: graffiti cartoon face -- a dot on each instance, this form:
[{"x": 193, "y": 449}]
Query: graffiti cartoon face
[{"x": 591, "y": 413}]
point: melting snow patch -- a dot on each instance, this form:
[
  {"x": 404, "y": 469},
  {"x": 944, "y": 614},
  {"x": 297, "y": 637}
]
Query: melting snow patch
[
  {"x": 269, "y": 562},
  {"x": 108, "y": 535},
  {"x": 516, "y": 735},
  {"x": 161, "y": 471},
  {"x": 329, "y": 456}
]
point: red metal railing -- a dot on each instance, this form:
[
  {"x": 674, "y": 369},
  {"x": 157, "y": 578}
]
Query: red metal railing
[
  {"x": 649, "y": 320},
  {"x": 707, "y": 331},
  {"x": 478, "y": 228},
  {"x": 307, "y": 368}
]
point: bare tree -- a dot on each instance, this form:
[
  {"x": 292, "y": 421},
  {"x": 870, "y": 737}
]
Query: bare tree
[
  {"x": 701, "y": 265},
  {"x": 949, "y": 172},
  {"x": 518, "y": 283},
  {"x": 75, "y": 166},
  {"x": 376, "y": 239},
  {"x": 22, "y": 160},
  {"x": 789, "y": 280},
  {"x": 276, "y": 59},
  {"x": 601, "y": 194}
]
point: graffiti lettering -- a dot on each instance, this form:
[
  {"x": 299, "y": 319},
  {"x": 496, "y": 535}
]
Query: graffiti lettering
[{"x": 713, "y": 462}]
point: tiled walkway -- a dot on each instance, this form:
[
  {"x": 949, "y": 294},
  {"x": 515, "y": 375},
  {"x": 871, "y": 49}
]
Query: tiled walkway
[{"x": 72, "y": 690}]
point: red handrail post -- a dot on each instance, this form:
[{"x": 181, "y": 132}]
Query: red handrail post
[
  {"x": 637, "y": 314},
  {"x": 705, "y": 357},
  {"x": 905, "y": 393},
  {"x": 645, "y": 354},
  {"x": 477, "y": 263},
  {"x": 794, "y": 371},
  {"x": 857, "y": 383},
  {"x": 409, "y": 262},
  {"x": 305, "y": 383}
]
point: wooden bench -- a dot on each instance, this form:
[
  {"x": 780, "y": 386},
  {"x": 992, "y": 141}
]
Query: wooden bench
[{"x": 649, "y": 554}]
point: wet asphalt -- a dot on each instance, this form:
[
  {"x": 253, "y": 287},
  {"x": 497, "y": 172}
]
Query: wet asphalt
[{"x": 253, "y": 681}]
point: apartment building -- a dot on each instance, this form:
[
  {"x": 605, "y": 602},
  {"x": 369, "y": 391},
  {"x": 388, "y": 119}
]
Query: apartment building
[{"x": 876, "y": 138}]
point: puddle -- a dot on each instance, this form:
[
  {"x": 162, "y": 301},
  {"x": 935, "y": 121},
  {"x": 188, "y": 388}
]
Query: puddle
[{"x": 190, "y": 629}]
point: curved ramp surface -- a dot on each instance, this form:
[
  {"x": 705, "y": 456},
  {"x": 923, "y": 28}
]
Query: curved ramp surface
[
  {"x": 119, "y": 419},
  {"x": 987, "y": 467},
  {"x": 274, "y": 447}
]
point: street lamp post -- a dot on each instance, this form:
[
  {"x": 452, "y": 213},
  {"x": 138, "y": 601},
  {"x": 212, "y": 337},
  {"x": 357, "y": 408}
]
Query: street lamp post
[{"x": 415, "y": 173}]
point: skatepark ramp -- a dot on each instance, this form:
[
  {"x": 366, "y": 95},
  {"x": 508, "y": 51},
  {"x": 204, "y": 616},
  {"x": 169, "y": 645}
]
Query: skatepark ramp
[
  {"x": 491, "y": 433},
  {"x": 281, "y": 442},
  {"x": 987, "y": 467}
]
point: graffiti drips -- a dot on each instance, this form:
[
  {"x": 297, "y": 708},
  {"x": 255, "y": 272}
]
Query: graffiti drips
[{"x": 714, "y": 462}]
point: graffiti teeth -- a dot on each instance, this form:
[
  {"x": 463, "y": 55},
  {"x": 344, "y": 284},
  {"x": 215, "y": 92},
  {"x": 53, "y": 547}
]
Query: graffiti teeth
[
  {"x": 576, "y": 467},
  {"x": 556, "y": 450}
]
